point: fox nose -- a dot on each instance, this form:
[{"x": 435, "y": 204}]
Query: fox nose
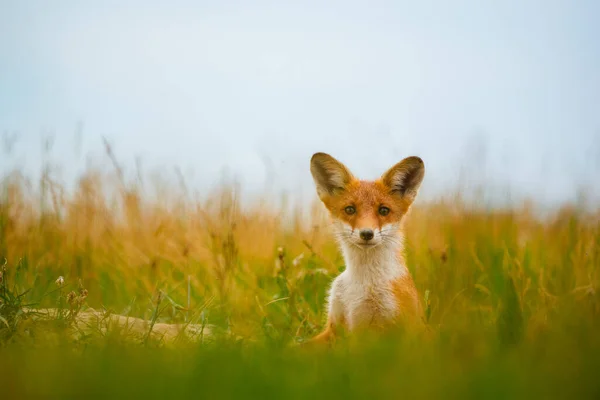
[{"x": 366, "y": 234}]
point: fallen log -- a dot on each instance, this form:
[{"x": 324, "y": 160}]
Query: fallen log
[{"x": 93, "y": 322}]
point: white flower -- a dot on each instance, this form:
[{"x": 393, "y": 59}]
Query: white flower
[
  {"x": 60, "y": 281},
  {"x": 297, "y": 260}
]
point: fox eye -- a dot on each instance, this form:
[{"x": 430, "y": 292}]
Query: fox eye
[
  {"x": 384, "y": 211},
  {"x": 350, "y": 210}
]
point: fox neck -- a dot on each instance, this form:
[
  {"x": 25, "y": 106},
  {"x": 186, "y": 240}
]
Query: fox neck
[{"x": 381, "y": 263}]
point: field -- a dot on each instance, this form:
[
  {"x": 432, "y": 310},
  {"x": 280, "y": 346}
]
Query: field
[{"x": 511, "y": 298}]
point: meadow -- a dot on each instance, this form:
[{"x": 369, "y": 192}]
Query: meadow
[{"x": 511, "y": 298}]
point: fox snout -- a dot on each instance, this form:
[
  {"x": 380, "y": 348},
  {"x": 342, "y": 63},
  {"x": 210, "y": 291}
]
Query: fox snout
[{"x": 366, "y": 234}]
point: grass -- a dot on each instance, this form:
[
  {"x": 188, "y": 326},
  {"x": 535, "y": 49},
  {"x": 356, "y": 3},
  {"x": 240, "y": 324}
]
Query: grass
[{"x": 511, "y": 299}]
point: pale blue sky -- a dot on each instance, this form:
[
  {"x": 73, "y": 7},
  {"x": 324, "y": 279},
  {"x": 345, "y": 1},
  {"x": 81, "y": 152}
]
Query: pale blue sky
[{"x": 204, "y": 86}]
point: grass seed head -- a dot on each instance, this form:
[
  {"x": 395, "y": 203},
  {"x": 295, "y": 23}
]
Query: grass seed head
[{"x": 71, "y": 297}]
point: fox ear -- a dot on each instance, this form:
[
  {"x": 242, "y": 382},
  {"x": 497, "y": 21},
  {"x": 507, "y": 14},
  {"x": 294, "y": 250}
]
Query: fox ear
[
  {"x": 404, "y": 178},
  {"x": 330, "y": 175}
]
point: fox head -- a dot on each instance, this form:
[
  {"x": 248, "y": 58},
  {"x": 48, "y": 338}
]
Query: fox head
[{"x": 367, "y": 214}]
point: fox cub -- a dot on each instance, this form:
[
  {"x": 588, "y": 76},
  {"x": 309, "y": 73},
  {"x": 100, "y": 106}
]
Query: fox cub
[{"x": 375, "y": 290}]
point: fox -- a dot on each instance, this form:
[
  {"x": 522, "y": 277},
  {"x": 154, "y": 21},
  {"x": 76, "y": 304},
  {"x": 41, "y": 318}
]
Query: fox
[{"x": 376, "y": 290}]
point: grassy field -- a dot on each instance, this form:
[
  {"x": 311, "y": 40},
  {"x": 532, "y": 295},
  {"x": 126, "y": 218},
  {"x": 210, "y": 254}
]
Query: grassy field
[{"x": 511, "y": 300}]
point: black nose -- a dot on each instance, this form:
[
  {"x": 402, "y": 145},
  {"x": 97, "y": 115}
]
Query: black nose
[{"x": 366, "y": 234}]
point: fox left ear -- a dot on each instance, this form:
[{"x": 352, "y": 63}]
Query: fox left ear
[
  {"x": 331, "y": 176},
  {"x": 405, "y": 178}
]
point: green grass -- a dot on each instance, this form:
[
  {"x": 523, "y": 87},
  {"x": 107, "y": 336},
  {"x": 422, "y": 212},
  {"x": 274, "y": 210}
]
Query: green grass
[
  {"x": 560, "y": 367},
  {"x": 511, "y": 300}
]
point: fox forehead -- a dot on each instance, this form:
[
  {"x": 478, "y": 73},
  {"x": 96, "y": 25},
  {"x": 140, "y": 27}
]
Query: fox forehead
[{"x": 365, "y": 193}]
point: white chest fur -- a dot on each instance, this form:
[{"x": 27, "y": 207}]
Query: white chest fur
[{"x": 363, "y": 294}]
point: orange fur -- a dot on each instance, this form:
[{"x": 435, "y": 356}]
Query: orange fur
[
  {"x": 328, "y": 336},
  {"x": 408, "y": 299},
  {"x": 367, "y": 196}
]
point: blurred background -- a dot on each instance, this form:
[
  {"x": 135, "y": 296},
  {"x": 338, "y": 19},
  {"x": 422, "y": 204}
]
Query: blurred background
[
  {"x": 501, "y": 96},
  {"x": 126, "y": 129}
]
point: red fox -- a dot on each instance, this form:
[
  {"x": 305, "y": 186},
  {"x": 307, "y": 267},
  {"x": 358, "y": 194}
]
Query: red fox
[{"x": 376, "y": 289}]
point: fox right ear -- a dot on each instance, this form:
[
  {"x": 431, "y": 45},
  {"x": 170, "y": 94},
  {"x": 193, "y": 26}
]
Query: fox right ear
[
  {"x": 330, "y": 175},
  {"x": 405, "y": 177}
]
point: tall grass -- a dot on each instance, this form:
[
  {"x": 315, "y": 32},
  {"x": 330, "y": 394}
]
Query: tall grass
[{"x": 511, "y": 299}]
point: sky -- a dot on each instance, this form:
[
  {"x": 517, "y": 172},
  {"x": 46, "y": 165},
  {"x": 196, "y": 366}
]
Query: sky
[{"x": 505, "y": 94}]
